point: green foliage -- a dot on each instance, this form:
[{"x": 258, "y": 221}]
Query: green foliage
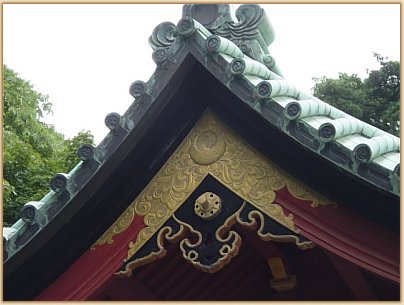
[
  {"x": 32, "y": 150},
  {"x": 71, "y": 146},
  {"x": 376, "y": 100}
]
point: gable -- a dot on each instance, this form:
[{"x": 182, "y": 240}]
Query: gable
[
  {"x": 253, "y": 194},
  {"x": 211, "y": 152},
  {"x": 197, "y": 71}
]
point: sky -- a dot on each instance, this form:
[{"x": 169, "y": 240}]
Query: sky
[{"x": 85, "y": 56}]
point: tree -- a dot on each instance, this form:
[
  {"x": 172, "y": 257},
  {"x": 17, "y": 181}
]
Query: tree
[
  {"x": 376, "y": 100},
  {"x": 71, "y": 146},
  {"x": 32, "y": 150}
]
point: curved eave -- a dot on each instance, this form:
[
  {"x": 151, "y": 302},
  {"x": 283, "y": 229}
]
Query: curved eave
[
  {"x": 88, "y": 181},
  {"x": 356, "y": 147},
  {"x": 132, "y": 154},
  {"x": 325, "y": 130}
]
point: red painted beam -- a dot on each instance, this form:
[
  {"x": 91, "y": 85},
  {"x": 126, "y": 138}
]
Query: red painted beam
[
  {"x": 335, "y": 229},
  {"x": 347, "y": 235},
  {"x": 352, "y": 277},
  {"x": 128, "y": 289},
  {"x": 91, "y": 270}
]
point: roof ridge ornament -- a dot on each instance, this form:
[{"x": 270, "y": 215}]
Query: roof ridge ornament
[
  {"x": 163, "y": 35},
  {"x": 252, "y": 32}
]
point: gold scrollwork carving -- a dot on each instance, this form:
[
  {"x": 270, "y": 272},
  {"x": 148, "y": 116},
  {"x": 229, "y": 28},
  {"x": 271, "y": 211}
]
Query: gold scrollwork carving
[
  {"x": 165, "y": 233},
  {"x": 195, "y": 245},
  {"x": 300, "y": 191},
  {"x": 211, "y": 149},
  {"x": 230, "y": 248},
  {"x": 253, "y": 224},
  {"x": 120, "y": 225}
]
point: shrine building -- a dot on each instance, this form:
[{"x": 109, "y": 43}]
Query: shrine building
[{"x": 221, "y": 181}]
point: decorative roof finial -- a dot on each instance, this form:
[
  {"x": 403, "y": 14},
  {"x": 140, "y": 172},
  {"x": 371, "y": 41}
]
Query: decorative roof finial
[{"x": 252, "y": 32}]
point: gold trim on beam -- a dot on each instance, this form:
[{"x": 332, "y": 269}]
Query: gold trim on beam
[
  {"x": 211, "y": 148},
  {"x": 120, "y": 225}
]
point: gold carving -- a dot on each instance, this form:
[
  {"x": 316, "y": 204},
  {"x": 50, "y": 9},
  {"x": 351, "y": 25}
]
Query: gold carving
[
  {"x": 120, "y": 225},
  {"x": 227, "y": 251},
  {"x": 207, "y": 205},
  {"x": 229, "y": 240},
  {"x": 256, "y": 221},
  {"x": 207, "y": 147},
  {"x": 281, "y": 280},
  {"x": 164, "y": 234},
  {"x": 211, "y": 149},
  {"x": 302, "y": 192}
]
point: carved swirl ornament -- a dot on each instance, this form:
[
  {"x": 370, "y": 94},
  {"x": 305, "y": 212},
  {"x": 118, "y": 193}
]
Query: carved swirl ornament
[
  {"x": 210, "y": 149},
  {"x": 209, "y": 248}
]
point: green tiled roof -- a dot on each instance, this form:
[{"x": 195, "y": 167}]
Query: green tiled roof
[{"x": 240, "y": 49}]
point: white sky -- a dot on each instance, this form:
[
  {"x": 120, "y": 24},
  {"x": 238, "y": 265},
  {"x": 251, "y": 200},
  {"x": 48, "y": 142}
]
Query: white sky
[{"x": 85, "y": 56}]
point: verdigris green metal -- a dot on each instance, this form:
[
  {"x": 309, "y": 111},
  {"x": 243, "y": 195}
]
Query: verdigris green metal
[
  {"x": 252, "y": 32},
  {"x": 218, "y": 44}
]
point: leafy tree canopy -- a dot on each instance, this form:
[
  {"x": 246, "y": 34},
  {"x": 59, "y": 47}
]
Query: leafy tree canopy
[
  {"x": 32, "y": 150},
  {"x": 375, "y": 100}
]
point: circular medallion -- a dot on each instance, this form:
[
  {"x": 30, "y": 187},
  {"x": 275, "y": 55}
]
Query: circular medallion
[
  {"x": 207, "y": 205},
  {"x": 207, "y": 147}
]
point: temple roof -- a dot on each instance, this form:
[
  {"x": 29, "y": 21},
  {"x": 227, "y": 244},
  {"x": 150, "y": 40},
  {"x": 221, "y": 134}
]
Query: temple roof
[{"x": 236, "y": 54}]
